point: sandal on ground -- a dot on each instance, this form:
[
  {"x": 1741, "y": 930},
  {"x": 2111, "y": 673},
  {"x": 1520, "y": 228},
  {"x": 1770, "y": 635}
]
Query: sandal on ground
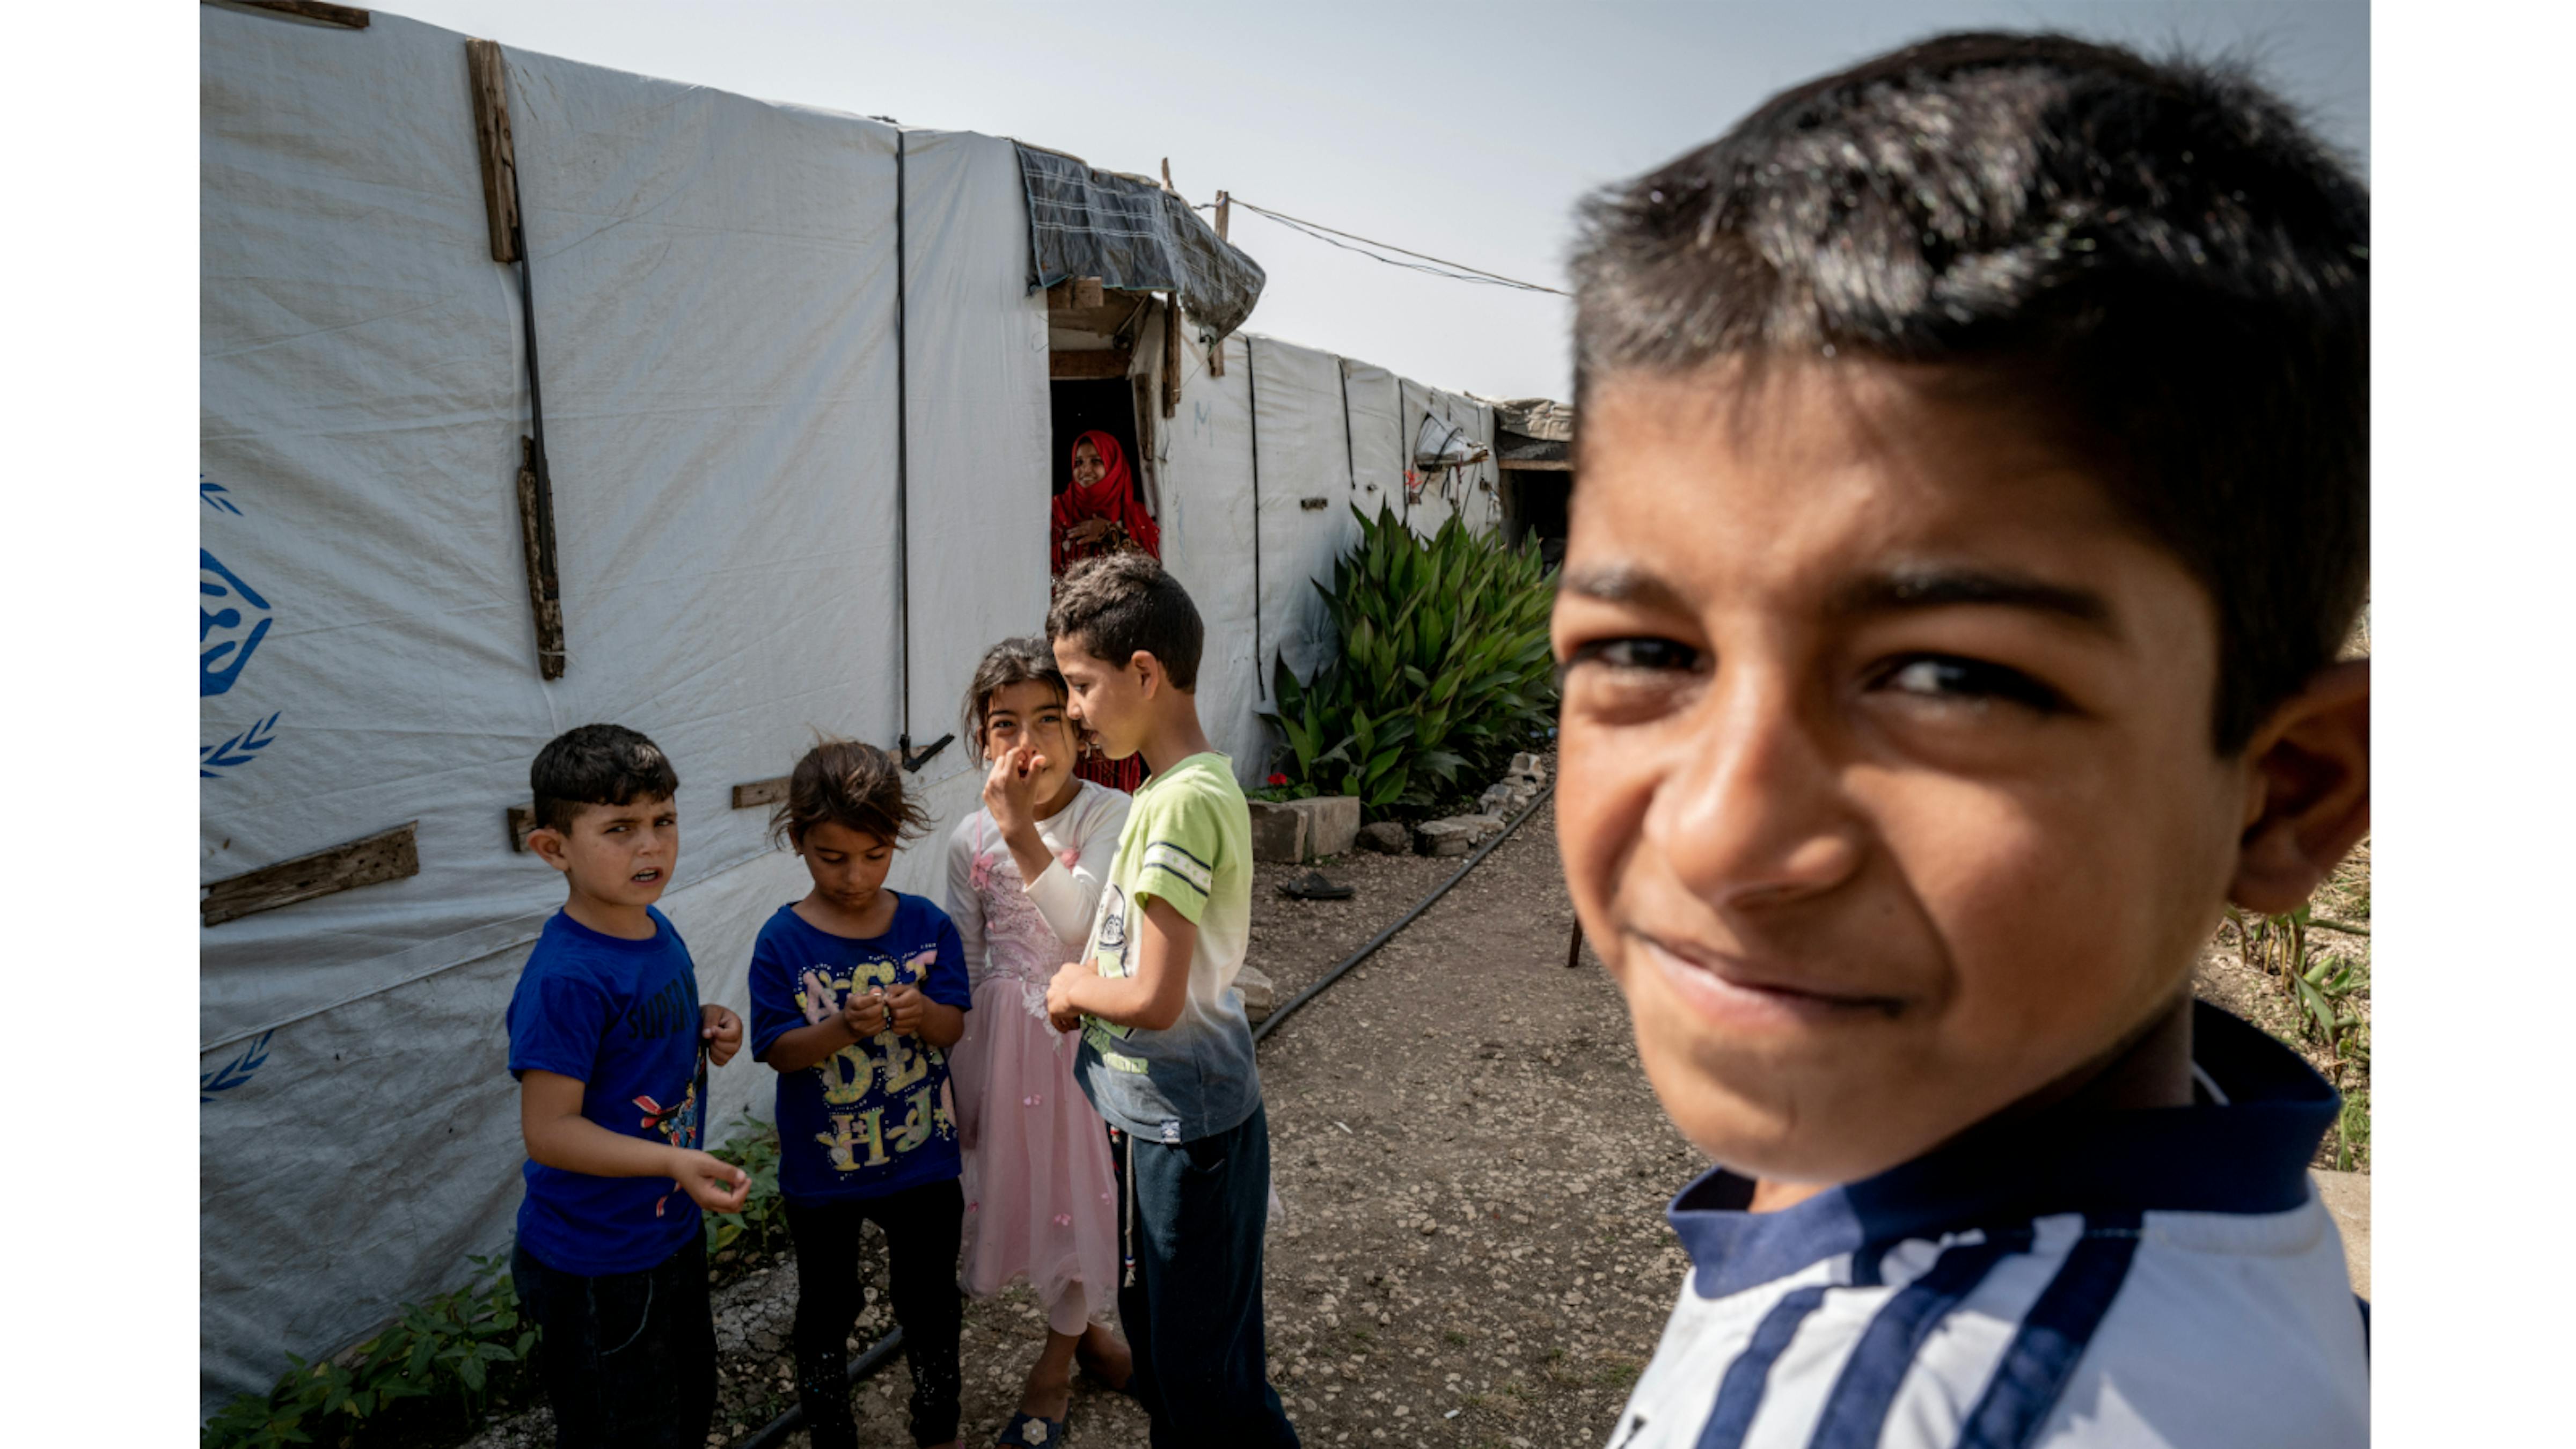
[
  {"x": 1312, "y": 886},
  {"x": 1028, "y": 1431}
]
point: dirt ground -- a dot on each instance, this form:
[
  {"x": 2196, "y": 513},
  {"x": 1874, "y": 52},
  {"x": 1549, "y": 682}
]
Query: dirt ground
[{"x": 1473, "y": 1172}]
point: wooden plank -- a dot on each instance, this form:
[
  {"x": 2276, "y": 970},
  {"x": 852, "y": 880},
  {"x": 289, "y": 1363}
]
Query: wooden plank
[
  {"x": 1078, "y": 294},
  {"x": 483, "y": 68},
  {"x": 344, "y": 15},
  {"x": 545, "y": 594},
  {"x": 387, "y": 855},
  {"x": 1172, "y": 354},
  {"x": 1537, "y": 465},
  {"x": 523, "y": 818},
  {"x": 1109, "y": 362},
  {"x": 761, "y": 792},
  {"x": 1216, "y": 354}
]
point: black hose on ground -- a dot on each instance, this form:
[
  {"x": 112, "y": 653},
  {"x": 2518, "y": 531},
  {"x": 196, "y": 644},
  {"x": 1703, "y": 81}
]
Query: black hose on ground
[{"x": 775, "y": 1432}]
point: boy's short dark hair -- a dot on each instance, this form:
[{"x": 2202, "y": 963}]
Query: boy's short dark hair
[
  {"x": 1119, "y": 604},
  {"x": 597, "y": 764},
  {"x": 2155, "y": 262},
  {"x": 851, "y": 784}
]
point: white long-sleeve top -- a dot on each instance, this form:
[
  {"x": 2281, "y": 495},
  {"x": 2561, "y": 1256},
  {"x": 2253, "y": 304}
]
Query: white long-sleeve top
[{"x": 1083, "y": 838}]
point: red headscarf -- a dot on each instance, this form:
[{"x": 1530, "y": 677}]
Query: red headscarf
[{"x": 1112, "y": 498}]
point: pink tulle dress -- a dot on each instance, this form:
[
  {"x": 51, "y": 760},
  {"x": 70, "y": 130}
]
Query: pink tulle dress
[{"x": 1041, "y": 1202}]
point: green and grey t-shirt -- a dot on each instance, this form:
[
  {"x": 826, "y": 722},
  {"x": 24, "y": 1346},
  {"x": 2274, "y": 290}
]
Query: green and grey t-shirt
[{"x": 1188, "y": 842}]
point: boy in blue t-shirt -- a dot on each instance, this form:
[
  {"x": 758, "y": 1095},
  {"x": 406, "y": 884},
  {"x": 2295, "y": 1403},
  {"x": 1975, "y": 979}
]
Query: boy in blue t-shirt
[
  {"x": 857, "y": 991},
  {"x": 1974, "y": 499},
  {"x": 611, "y": 1050}
]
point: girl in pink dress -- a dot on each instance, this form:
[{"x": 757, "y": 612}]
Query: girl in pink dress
[{"x": 1024, "y": 876}]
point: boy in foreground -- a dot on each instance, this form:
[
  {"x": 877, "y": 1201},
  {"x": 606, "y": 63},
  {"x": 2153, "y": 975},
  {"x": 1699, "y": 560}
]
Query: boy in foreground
[
  {"x": 611, "y": 1050},
  {"x": 1166, "y": 1055},
  {"x": 1973, "y": 499}
]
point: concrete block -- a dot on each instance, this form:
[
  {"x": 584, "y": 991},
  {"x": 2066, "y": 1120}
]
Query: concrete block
[
  {"x": 1386, "y": 837},
  {"x": 1260, "y": 998},
  {"x": 1443, "y": 837},
  {"x": 1534, "y": 766},
  {"x": 1332, "y": 823},
  {"x": 1278, "y": 832}
]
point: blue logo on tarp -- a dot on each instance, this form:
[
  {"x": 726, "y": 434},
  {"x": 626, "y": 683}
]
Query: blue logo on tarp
[{"x": 231, "y": 620}]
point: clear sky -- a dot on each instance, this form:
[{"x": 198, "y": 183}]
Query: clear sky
[{"x": 1465, "y": 131}]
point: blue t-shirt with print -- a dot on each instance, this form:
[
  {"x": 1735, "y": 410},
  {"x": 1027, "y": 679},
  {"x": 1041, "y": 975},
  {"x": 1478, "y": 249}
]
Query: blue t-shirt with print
[
  {"x": 873, "y": 1117},
  {"x": 620, "y": 1017}
]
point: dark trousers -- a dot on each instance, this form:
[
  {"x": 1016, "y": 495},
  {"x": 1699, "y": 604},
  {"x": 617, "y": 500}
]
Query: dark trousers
[
  {"x": 628, "y": 1359},
  {"x": 1193, "y": 1315},
  {"x": 922, "y": 1227}
]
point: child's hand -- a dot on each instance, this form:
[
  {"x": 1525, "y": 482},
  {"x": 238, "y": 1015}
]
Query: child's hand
[
  {"x": 1010, "y": 790},
  {"x": 819, "y": 1007},
  {"x": 713, "y": 1184},
  {"x": 866, "y": 1016},
  {"x": 721, "y": 1030},
  {"x": 908, "y": 1005},
  {"x": 1061, "y": 1013}
]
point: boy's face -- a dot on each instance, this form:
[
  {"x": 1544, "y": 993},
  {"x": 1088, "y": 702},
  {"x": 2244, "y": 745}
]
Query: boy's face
[
  {"x": 621, "y": 855},
  {"x": 849, "y": 866},
  {"x": 1889, "y": 795},
  {"x": 1108, "y": 701}
]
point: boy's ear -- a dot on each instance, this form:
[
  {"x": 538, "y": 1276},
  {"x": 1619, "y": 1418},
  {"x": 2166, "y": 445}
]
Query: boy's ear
[
  {"x": 550, "y": 846},
  {"x": 2307, "y": 791},
  {"x": 1149, "y": 671}
]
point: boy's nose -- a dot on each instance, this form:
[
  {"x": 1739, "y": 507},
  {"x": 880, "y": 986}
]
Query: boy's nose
[{"x": 1750, "y": 811}]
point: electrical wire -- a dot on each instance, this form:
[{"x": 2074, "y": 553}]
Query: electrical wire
[{"x": 1441, "y": 267}]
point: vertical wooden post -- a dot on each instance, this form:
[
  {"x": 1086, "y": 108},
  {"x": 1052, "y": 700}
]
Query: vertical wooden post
[
  {"x": 536, "y": 541},
  {"x": 1172, "y": 353},
  {"x": 492, "y": 144},
  {"x": 1216, "y": 354}
]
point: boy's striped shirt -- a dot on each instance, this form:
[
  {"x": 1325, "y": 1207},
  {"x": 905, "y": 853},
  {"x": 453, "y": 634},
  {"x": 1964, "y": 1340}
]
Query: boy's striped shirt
[{"x": 2139, "y": 1278}]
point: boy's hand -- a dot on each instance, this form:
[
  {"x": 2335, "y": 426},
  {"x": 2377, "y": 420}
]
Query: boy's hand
[
  {"x": 721, "y": 1030},
  {"x": 1061, "y": 1013},
  {"x": 867, "y": 1016},
  {"x": 907, "y": 1003},
  {"x": 711, "y": 1183},
  {"x": 1010, "y": 790},
  {"x": 819, "y": 1007}
]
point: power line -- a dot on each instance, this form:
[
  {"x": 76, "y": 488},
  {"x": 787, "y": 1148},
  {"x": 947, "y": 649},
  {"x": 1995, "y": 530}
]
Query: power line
[{"x": 1441, "y": 267}]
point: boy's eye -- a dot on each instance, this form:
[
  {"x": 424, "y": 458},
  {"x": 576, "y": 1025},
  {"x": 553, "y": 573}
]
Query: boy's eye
[
  {"x": 1640, "y": 654},
  {"x": 1942, "y": 676}
]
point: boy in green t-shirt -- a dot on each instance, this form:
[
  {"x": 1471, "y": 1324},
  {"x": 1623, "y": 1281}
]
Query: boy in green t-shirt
[{"x": 1166, "y": 1052}]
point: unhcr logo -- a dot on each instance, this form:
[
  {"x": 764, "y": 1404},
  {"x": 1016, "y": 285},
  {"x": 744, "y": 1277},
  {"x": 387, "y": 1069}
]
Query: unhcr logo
[{"x": 231, "y": 620}]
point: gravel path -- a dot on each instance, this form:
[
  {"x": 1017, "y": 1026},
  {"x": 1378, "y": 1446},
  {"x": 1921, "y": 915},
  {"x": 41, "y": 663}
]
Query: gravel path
[{"x": 1473, "y": 1171}]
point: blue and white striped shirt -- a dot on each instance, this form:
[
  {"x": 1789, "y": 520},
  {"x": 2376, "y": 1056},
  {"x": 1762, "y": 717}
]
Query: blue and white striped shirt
[{"x": 2164, "y": 1277}]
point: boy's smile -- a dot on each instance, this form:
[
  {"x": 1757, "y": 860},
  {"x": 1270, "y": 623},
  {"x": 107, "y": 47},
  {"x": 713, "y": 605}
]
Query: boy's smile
[{"x": 1889, "y": 794}]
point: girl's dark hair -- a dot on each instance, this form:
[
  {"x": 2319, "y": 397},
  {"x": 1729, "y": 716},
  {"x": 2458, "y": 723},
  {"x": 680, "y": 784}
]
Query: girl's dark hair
[
  {"x": 847, "y": 783},
  {"x": 1013, "y": 661},
  {"x": 2157, "y": 259}
]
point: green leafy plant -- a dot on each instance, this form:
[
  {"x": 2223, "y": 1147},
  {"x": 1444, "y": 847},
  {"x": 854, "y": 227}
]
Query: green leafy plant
[
  {"x": 2322, "y": 989},
  {"x": 762, "y": 1224},
  {"x": 451, "y": 1354},
  {"x": 1442, "y": 671}
]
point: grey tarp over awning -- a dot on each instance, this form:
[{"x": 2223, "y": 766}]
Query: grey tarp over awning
[{"x": 1134, "y": 236}]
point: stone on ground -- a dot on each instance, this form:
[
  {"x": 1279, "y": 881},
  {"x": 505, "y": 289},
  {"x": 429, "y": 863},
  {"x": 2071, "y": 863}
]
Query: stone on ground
[
  {"x": 1259, "y": 996},
  {"x": 1386, "y": 837}
]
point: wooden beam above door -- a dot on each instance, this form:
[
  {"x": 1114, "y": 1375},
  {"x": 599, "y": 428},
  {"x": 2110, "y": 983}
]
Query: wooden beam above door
[{"x": 1100, "y": 363}]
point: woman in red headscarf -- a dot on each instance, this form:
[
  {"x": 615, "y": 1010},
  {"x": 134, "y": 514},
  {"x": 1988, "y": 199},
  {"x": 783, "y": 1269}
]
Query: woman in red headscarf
[{"x": 1101, "y": 513}]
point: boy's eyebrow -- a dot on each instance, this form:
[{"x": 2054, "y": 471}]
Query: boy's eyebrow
[
  {"x": 1621, "y": 584},
  {"x": 1943, "y": 587}
]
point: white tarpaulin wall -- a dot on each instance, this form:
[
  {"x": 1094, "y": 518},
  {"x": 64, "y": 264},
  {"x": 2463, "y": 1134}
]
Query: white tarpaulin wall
[{"x": 715, "y": 296}]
